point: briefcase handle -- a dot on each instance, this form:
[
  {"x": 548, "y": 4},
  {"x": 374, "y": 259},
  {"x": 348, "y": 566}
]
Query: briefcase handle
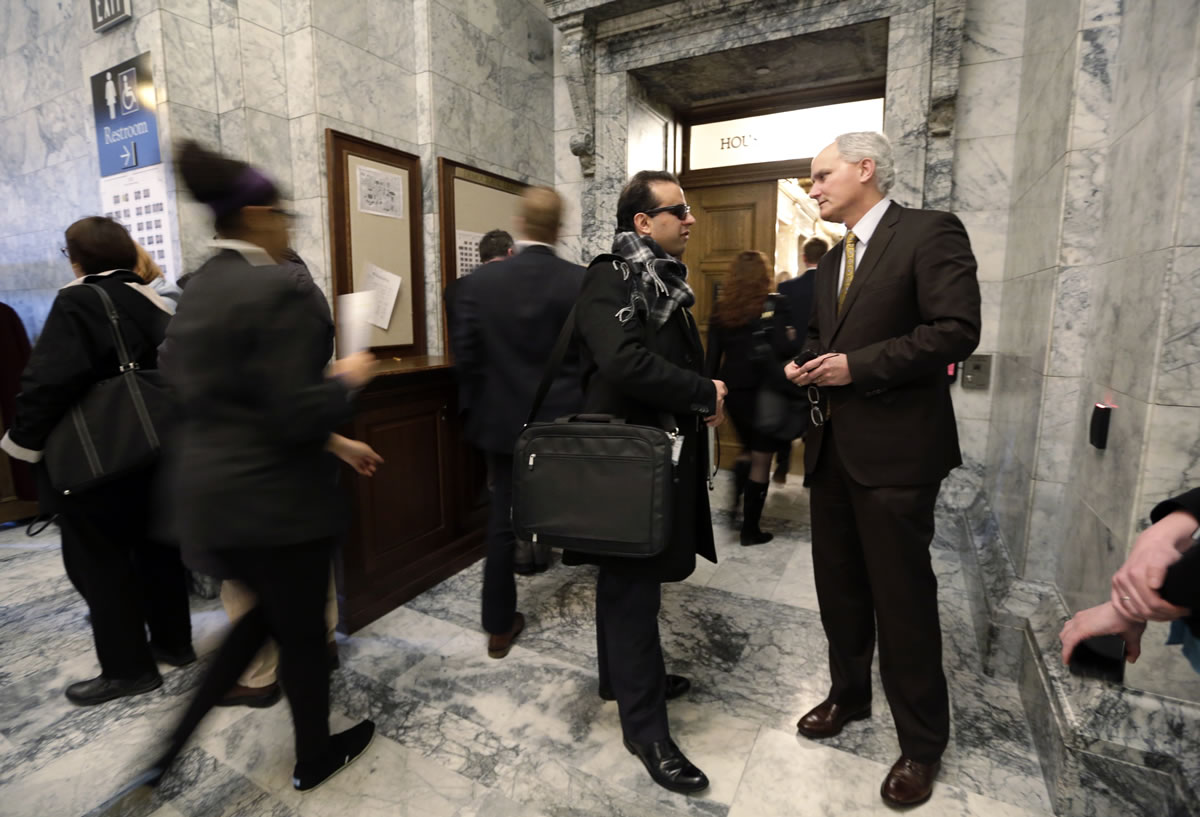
[{"x": 590, "y": 418}]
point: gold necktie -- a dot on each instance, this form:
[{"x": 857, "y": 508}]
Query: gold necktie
[{"x": 851, "y": 241}]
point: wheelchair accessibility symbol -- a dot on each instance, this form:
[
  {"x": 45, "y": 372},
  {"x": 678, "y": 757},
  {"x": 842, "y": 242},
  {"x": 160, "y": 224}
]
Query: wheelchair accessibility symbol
[{"x": 127, "y": 81}]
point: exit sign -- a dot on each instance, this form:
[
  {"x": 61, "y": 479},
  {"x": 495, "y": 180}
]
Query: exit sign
[{"x": 108, "y": 13}]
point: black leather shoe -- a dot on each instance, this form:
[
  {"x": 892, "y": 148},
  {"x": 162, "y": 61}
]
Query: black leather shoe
[
  {"x": 676, "y": 685},
  {"x": 176, "y": 658},
  {"x": 101, "y": 689},
  {"x": 668, "y": 767},
  {"x": 827, "y": 718}
]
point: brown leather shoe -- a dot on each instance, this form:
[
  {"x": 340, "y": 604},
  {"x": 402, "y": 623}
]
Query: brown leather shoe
[
  {"x": 827, "y": 718},
  {"x": 909, "y": 783},
  {"x": 499, "y": 645}
]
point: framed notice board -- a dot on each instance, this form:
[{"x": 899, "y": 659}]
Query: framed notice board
[
  {"x": 376, "y": 230},
  {"x": 471, "y": 202}
]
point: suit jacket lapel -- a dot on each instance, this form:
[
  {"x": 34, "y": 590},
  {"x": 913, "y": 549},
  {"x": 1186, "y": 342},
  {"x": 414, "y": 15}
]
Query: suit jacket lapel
[{"x": 879, "y": 241}]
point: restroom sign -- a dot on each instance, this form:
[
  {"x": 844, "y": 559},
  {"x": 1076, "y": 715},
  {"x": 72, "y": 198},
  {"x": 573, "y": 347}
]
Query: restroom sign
[
  {"x": 125, "y": 113},
  {"x": 108, "y": 13}
]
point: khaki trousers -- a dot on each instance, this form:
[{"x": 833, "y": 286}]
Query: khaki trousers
[{"x": 239, "y": 600}]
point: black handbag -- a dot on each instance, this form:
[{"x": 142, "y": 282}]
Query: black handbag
[
  {"x": 781, "y": 410},
  {"x": 593, "y": 483},
  {"x": 115, "y": 429}
]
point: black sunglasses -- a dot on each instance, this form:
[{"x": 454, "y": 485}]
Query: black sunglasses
[{"x": 680, "y": 211}]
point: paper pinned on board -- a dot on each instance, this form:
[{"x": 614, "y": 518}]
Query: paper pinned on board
[
  {"x": 380, "y": 193},
  {"x": 387, "y": 287}
]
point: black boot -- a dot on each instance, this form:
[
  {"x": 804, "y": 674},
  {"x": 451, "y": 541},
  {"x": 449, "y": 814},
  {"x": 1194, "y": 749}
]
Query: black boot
[
  {"x": 756, "y": 497},
  {"x": 741, "y": 475}
]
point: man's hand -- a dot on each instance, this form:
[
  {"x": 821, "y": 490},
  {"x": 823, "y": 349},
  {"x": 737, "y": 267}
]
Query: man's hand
[
  {"x": 827, "y": 370},
  {"x": 1135, "y": 586},
  {"x": 718, "y": 418},
  {"x": 1103, "y": 619},
  {"x": 355, "y": 453}
]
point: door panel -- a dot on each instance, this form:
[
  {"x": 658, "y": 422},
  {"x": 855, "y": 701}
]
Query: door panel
[{"x": 729, "y": 219}]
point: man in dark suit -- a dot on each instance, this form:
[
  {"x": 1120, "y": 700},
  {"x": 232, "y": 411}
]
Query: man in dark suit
[
  {"x": 794, "y": 310},
  {"x": 894, "y": 304},
  {"x": 509, "y": 318}
]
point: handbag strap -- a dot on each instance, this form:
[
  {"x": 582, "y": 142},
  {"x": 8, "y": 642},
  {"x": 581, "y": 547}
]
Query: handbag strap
[{"x": 114, "y": 325}]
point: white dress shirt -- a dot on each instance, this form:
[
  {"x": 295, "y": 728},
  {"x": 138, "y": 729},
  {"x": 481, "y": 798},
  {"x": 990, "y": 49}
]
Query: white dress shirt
[{"x": 863, "y": 230}]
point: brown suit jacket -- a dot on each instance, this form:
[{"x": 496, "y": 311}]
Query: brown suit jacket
[{"x": 912, "y": 309}]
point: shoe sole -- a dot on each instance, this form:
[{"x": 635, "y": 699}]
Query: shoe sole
[
  {"x": 667, "y": 786},
  {"x": 896, "y": 805},
  {"x": 261, "y": 702},
  {"x": 344, "y": 766},
  {"x": 857, "y": 716},
  {"x": 127, "y": 694}
]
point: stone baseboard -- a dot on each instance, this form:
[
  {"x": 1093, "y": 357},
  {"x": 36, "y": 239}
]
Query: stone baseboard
[{"x": 1105, "y": 750}]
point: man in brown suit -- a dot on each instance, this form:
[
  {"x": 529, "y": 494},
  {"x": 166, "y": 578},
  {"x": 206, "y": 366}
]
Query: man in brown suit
[{"x": 895, "y": 302}]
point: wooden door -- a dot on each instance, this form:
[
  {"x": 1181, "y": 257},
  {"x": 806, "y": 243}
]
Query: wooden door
[{"x": 729, "y": 219}]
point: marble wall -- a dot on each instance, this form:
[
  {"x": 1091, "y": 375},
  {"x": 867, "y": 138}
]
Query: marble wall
[
  {"x": 49, "y": 171},
  {"x": 1097, "y": 283}
]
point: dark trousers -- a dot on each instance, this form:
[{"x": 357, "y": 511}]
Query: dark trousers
[
  {"x": 873, "y": 574},
  {"x": 499, "y": 584},
  {"x": 290, "y": 583},
  {"x": 128, "y": 582},
  {"x": 629, "y": 653}
]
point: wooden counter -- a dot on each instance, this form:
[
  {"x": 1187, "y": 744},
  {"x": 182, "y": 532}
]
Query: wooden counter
[{"x": 421, "y": 518}]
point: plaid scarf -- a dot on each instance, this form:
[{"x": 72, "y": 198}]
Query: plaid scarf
[{"x": 662, "y": 285}]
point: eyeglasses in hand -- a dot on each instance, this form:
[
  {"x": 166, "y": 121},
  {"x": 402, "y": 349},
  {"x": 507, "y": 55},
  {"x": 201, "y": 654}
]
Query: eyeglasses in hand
[{"x": 814, "y": 406}]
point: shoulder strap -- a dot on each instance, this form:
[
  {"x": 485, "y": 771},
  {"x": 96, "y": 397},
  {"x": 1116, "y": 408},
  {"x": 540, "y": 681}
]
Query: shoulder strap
[
  {"x": 114, "y": 326},
  {"x": 560, "y": 352}
]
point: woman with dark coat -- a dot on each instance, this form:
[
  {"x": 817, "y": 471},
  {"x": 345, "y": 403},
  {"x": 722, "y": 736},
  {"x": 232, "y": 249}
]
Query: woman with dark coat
[
  {"x": 128, "y": 580},
  {"x": 736, "y": 337},
  {"x": 642, "y": 358},
  {"x": 257, "y": 491}
]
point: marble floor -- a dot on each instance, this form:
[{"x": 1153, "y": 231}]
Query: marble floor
[{"x": 461, "y": 735}]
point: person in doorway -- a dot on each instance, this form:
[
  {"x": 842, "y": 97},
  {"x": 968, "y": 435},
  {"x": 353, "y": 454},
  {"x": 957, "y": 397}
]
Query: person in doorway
[
  {"x": 794, "y": 310},
  {"x": 736, "y": 340},
  {"x": 642, "y": 357},
  {"x": 510, "y": 316},
  {"x": 895, "y": 303},
  {"x": 129, "y": 579},
  {"x": 256, "y": 487}
]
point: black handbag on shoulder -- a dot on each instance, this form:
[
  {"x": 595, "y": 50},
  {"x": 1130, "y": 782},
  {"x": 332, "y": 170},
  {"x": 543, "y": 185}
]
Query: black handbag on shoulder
[
  {"x": 115, "y": 429},
  {"x": 592, "y": 483},
  {"x": 781, "y": 411}
]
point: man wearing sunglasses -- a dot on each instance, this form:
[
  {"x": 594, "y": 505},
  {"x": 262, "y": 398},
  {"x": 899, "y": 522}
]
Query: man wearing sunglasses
[
  {"x": 895, "y": 302},
  {"x": 642, "y": 359}
]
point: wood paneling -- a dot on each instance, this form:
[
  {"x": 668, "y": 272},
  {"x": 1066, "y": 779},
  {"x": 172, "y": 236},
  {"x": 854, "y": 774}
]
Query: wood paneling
[{"x": 421, "y": 517}]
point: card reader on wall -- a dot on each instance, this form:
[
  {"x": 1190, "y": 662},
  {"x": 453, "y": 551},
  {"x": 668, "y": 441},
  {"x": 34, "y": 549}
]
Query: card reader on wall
[{"x": 1101, "y": 414}]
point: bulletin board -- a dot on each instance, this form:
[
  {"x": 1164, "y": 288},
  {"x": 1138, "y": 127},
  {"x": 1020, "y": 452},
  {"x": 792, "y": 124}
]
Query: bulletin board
[
  {"x": 471, "y": 202},
  {"x": 376, "y": 225}
]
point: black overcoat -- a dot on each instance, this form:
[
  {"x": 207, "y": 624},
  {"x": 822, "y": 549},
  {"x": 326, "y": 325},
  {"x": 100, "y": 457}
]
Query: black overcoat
[{"x": 624, "y": 377}]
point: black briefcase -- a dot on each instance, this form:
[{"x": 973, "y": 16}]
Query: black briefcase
[
  {"x": 592, "y": 483},
  {"x": 115, "y": 429}
]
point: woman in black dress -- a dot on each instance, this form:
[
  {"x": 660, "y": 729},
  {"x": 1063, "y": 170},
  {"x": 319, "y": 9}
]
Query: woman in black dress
[{"x": 735, "y": 341}]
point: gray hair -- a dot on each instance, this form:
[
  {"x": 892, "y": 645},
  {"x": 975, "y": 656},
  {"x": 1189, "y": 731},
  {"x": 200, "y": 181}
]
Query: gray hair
[{"x": 854, "y": 147}]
